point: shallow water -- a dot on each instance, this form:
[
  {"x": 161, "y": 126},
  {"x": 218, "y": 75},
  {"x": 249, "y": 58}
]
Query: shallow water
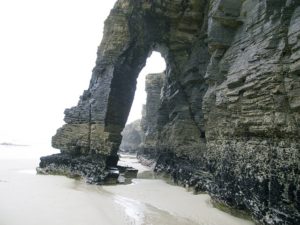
[{"x": 30, "y": 199}]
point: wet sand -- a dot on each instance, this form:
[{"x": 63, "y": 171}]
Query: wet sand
[{"x": 30, "y": 199}]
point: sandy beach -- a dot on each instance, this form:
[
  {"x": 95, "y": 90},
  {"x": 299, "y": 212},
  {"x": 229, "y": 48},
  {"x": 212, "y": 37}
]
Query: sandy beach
[{"x": 30, "y": 199}]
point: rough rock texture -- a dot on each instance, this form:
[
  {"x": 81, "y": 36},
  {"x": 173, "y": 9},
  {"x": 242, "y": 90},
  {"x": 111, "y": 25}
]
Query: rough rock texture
[
  {"x": 153, "y": 87},
  {"x": 252, "y": 111},
  {"x": 89, "y": 167},
  {"x": 133, "y": 137},
  {"x": 229, "y": 115}
]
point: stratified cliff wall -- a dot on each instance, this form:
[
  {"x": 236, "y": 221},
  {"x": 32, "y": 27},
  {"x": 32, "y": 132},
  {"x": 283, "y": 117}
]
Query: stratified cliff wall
[
  {"x": 252, "y": 110},
  {"x": 229, "y": 116},
  {"x": 153, "y": 84}
]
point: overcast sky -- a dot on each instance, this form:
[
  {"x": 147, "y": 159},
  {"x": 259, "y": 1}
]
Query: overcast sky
[{"x": 47, "y": 52}]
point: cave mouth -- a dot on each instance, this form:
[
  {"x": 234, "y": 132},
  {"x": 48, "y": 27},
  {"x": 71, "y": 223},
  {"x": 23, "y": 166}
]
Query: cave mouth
[
  {"x": 155, "y": 64},
  {"x": 132, "y": 134}
]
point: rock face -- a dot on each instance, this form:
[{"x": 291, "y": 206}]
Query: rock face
[
  {"x": 154, "y": 84},
  {"x": 132, "y": 137},
  {"x": 228, "y": 121}
]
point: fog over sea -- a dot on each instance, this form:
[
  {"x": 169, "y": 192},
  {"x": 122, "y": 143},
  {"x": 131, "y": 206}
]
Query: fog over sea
[{"x": 30, "y": 199}]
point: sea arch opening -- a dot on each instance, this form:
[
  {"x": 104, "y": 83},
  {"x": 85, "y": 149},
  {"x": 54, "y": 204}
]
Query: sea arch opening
[
  {"x": 132, "y": 135},
  {"x": 155, "y": 64}
]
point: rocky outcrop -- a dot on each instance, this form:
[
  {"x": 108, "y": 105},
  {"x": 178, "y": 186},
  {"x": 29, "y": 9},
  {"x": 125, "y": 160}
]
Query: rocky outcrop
[
  {"x": 229, "y": 116},
  {"x": 132, "y": 137},
  {"x": 88, "y": 166},
  {"x": 153, "y": 87}
]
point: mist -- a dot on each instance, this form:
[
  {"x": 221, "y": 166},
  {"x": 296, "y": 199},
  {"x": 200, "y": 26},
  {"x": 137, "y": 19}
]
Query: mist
[{"x": 48, "y": 50}]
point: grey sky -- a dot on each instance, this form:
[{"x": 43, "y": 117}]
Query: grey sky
[{"x": 47, "y": 52}]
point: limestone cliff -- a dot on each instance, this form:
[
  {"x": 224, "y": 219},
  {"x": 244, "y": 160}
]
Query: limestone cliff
[{"x": 229, "y": 116}]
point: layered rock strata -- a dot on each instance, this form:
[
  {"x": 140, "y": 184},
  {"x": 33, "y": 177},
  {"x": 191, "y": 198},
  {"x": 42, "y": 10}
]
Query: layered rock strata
[
  {"x": 229, "y": 116},
  {"x": 153, "y": 88}
]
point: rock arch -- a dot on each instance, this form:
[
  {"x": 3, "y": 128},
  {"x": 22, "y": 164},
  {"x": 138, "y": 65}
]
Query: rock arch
[
  {"x": 229, "y": 116},
  {"x": 132, "y": 31}
]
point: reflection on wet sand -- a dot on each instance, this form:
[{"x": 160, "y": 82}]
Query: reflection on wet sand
[{"x": 57, "y": 200}]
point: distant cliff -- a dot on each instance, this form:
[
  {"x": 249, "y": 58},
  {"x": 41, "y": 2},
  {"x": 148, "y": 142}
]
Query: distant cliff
[
  {"x": 132, "y": 137},
  {"x": 228, "y": 120}
]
